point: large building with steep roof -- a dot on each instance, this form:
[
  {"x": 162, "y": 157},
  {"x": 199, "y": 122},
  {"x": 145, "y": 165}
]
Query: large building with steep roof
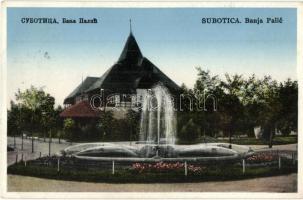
[{"x": 128, "y": 76}]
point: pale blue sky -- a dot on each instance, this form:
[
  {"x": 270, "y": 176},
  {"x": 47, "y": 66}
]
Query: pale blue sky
[{"x": 173, "y": 39}]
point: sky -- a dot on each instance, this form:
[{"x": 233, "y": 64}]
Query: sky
[{"x": 57, "y": 56}]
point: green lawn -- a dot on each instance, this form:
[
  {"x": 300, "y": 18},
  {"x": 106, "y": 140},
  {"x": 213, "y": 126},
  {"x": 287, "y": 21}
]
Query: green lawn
[{"x": 278, "y": 140}]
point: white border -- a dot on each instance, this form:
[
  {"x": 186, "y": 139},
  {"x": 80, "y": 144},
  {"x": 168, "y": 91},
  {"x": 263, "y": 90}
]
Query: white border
[{"x": 141, "y": 4}]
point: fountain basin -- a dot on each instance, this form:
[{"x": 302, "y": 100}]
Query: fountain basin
[
  {"x": 156, "y": 153},
  {"x": 159, "y": 159}
]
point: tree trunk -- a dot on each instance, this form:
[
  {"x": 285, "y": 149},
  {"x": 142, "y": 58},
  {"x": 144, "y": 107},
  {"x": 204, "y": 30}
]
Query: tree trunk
[
  {"x": 204, "y": 134},
  {"x": 49, "y": 143},
  {"x": 32, "y": 135},
  {"x": 270, "y": 138},
  {"x": 229, "y": 139},
  {"x": 21, "y": 141},
  {"x": 14, "y": 140},
  {"x": 32, "y": 143}
]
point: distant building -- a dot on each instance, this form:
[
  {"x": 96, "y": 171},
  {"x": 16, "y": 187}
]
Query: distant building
[{"x": 130, "y": 75}]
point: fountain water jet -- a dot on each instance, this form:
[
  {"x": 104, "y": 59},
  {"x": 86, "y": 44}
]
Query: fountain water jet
[{"x": 158, "y": 118}]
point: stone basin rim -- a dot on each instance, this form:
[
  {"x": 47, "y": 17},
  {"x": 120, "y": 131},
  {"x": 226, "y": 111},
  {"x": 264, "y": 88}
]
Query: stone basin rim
[{"x": 179, "y": 159}]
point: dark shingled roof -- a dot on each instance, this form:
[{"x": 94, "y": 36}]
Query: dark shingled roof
[
  {"x": 131, "y": 52},
  {"x": 81, "y": 88},
  {"x": 131, "y": 71},
  {"x": 81, "y": 109}
]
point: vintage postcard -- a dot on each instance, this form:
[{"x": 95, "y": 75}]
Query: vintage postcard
[{"x": 151, "y": 100}]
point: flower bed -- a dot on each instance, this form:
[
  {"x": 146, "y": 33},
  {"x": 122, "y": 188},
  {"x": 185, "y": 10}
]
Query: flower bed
[
  {"x": 262, "y": 157},
  {"x": 166, "y": 167}
]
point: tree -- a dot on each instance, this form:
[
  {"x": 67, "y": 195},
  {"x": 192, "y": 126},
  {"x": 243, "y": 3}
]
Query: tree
[
  {"x": 288, "y": 99},
  {"x": 14, "y": 120},
  {"x": 251, "y": 101},
  {"x": 69, "y": 126},
  {"x": 207, "y": 91},
  {"x": 229, "y": 104},
  {"x": 133, "y": 120},
  {"x": 269, "y": 107},
  {"x": 205, "y": 81},
  {"x": 40, "y": 106},
  {"x": 106, "y": 124},
  {"x": 58, "y": 122},
  {"x": 189, "y": 131},
  {"x": 186, "y": 102}
]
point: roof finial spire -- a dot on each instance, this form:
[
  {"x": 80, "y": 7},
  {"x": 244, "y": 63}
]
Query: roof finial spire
[{"x": 130, "y": 25}]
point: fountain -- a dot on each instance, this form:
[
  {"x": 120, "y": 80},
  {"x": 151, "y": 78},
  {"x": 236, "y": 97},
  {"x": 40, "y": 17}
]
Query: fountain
[
  {"x": 158, "y": 118},
  {"x": 158, "y": 133}
]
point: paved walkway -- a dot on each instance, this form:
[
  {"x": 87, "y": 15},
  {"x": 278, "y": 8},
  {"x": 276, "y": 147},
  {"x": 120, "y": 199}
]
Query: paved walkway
[
  {"x": 39, "y": 146},
  {"x": 285, "y": 183}
]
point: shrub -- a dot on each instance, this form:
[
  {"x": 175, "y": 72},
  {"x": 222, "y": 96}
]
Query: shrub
[{"x": 189, "y": 132}]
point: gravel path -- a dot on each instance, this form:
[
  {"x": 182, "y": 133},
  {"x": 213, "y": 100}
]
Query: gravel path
[
  {"x": 285, "y": 183},
  {"x": 39, "y": 146}
]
